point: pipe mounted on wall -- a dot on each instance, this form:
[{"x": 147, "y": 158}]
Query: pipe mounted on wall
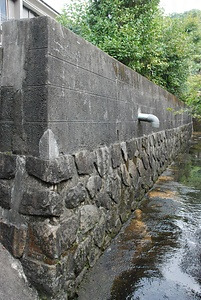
[{"x": 149, "y": 118}]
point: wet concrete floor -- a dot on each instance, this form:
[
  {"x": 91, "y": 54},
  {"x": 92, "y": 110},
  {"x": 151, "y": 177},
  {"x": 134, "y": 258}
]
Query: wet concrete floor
[{"x": 157, "y": 255}]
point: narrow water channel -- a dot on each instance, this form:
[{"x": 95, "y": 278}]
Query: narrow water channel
[{"x": 157, "y": 255}]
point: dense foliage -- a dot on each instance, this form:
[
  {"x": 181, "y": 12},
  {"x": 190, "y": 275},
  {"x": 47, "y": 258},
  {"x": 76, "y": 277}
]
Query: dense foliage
[
  {"x": 165, "y": 49},
  {"x": 192, "y": 95}
]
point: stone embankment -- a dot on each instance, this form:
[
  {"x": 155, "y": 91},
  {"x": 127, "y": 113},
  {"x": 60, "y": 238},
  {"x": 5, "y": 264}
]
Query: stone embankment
[{"x": 68, "y": 209}]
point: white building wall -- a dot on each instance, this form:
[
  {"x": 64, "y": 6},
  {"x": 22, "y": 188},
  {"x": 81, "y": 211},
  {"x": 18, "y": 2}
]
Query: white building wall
[{"x": 18, "y": 9}]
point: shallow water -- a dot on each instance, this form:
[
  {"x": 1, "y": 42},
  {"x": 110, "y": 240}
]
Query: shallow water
[{"x": 157, "y": 255}]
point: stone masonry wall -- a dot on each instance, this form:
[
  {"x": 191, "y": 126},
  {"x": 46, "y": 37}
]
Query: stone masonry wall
[
  {"x": 74, "y": 160},
  {"x": 59, "y": 215}
]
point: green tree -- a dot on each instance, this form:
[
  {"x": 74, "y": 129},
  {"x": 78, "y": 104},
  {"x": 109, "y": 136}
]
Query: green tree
[
  {"x": 192, "y": 97},
  {"x": 125, "y": 29},
  {"x": 175, "y": 56}
]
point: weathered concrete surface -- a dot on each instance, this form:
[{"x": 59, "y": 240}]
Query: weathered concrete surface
[
  {"x": 60, "y": 94},
  {"x": 13, "y": 283}
]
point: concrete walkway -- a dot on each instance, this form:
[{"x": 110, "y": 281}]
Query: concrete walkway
[{"x": 13, "y": 283}]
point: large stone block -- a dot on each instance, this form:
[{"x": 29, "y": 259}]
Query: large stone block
[
  {"x": 113, "y": 187},
  {"x": 13, "y": 237},
  {"x": 75, "y": 196},
  {"x": 35, "y": 103},
  {"x": 82, "y": 254},
  {"x": 131, "y": 148},
  {"x": 6, "y": 136},
  {"x": 52, "y": 171},
  {"x": 46, "y": 278},
  {"x": 102, "y": 160},
  {"x": 5, "y": 194},
  {"x": 94, "y": 185},
  {"x": 36, "y": 67},
  {"x": 99, "y": 232},
  {"x": 38, "y": 33},
  {"x": 125, "y": 175},
  {"x": 89, "y": 216},
  {"x": 84, "y": 162},
  {"x": 6, "y": 103},
  {"x": 50, "y": 239},
  {"x": 41, "y": 202},
  {"x": 7, "y": 166},
  {"x": 116, "y": 155},
  {"x": 102, "y": 199}
]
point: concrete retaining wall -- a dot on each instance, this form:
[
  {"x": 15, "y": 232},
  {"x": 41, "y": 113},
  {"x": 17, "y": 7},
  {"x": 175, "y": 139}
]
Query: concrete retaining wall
[{"x": 75, "y": 160}]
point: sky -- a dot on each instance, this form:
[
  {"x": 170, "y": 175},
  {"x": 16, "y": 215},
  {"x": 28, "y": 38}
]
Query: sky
[{"x": 170, "y": 6}]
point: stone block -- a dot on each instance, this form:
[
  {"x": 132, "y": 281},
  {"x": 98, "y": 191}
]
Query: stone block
[
  {"x": 51, "y": 171},
  {"x": 67, "y": 232},
  {"x": 7, "y": 166},
  {"x": 13, "y": 237},
  {"x": 35, "y": 103},
  {"x": 133, "y": 172},
  {"x": 5, "y": 194},
  {"x": 93, "y": 256},
  {"x": 131, "y": 148},
  {"x": 116, "y": 156},
  {"x": 36, "y": 67},
  {"x": 102, "y": 160},
  {"x": 124, "y": 151},
  {"x": 145, "y": 160},
  {"x": 94, "y": 185},
  {"x": 99, "y": 233},
  {"x": 75, "y": 196},
  {"x": 89, "y": 217},
  {"x": 113, "y": 223},
  {"x": 38, "y": 33},
  {"x": 6, "y": 136},
  {"x": 65, "y": 74},
  {"x": 125, "y": 175},
  {"x": 140, "y": 167},
  {"x": 113, "y": 187},
  {"x": 61, "y": 106},
  {"x": 6, "y": 103},
  {"x": 46, "y": 278},
  {"x": 81, "y": 255},
  {"x": 103, "y": 199},
  {"x": 41, "y": 202},
  {"x": 50, "y": 239},
  {"x": 84, "y": 162}
]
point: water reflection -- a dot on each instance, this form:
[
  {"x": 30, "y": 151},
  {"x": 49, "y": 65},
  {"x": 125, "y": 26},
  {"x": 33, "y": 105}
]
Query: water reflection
[{"x": 168, "y": 267}]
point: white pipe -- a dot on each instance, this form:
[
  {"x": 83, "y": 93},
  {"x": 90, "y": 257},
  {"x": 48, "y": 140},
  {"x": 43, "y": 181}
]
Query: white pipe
[{"x": 149, "y": 118}]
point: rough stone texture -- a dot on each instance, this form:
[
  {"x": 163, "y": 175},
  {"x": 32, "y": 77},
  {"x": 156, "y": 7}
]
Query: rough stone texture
[
  {"x": 50, "y": 238},
  {"x": 41, "y": 203},
  {"x": 52, "y": 171},
  {"x": 102, "y": 160},
  {"x": 94, "y": 185},
  {"x": 75, "y": 196},
  {"x": 84, "y": 162},
  {"x": 5, "y": 194},
  {"x": 90, "y": 215},
  {"x": 75, "y": 161},
  {"x": 7, "y": 166},
  {"x": 72, "y": 218},
  {"x": 13, "y": 238},
  {"x": 116, "y": 155}
]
